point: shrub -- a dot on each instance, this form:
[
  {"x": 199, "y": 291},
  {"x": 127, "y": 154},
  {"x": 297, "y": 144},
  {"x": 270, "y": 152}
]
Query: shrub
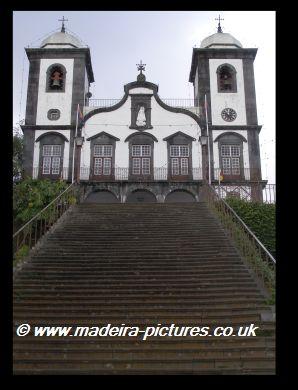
[
  {"x": 20, "y": 254},
  {"x": 259, "y": 217},
  {"x": 31, "y": 195}
]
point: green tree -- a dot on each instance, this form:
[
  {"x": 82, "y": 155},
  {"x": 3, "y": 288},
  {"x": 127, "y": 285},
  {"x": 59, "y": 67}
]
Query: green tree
[
  {"x": 31, "y": 195},
  {"x": 18, "y": 144}
]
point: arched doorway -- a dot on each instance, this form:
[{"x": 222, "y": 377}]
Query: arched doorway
[
  {"x": 178, "y": 196},
  {"x": 141, "y": 196},
  {"x": 102, "y": 196}
]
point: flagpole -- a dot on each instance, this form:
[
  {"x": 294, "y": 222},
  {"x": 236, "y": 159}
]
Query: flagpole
[
  {"x": 209, "y": 162},
  {"x": 74, "y": 146}
]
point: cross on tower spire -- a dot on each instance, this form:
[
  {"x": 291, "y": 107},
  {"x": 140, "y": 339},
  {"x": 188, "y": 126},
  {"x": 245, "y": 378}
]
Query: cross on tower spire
[
  {"x": 219, "y": 30},
  {"x": 141, "y": 66},
  {"x": 63, "y": 20}
]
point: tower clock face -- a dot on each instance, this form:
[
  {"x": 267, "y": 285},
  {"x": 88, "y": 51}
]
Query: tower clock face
[{"x": 228, "y": 114}]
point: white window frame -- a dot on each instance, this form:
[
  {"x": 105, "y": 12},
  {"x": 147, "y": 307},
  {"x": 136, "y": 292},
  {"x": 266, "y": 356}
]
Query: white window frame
[
  {"x": 141, "y": 151},
  {"x": 97, "y": 166},
  {"x": 102, "y": 159},
  {"x": 141, "y": 159},
  {"x": 184, "y": 166},
  {"x": 103, "y": 150},
  {"x": 46, "y": 165},
  {"x": 136, "y": 166},
  {"x": 181, "y": 149},
  {"x": 175, "y": 166},
  {"x": 107, "y": 166},
  {"x": 230, "y": 158},
  {"x": 102, "y": 166},
  {"x": 51, "y": 159},
  {"x": 146, "y": 166},
  {"x": 179, "y": 156}
]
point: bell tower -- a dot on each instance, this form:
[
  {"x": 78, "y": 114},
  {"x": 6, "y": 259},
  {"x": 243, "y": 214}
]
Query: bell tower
[
  {"x": 60, "y": 74},
  {"x": 223, "y": 70}
]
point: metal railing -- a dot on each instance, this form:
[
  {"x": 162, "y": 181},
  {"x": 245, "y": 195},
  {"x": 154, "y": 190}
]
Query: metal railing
[
  {"x": 64, "y": 174},
  {"x": 269, "y": 193},
  {"x": 249, "y": 246},
  {"x": 102, "y": 102},
  {"x": 244, "y": 192},
  {"x": 180, "y": 102},
  {"x": 170, "y": 102},
  {"x": 29, "y": 234},
  {"x": 123, "y": 174}
]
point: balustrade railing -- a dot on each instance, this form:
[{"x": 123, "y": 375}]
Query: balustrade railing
[
  {"x": 170, "y": 102},
  {"x": 269, "y": 193},
  {"x": 29, "y": 234},
  {"x": 228, "y": 186},
  {"x": 64, "y": 174},
  {"x": 244, "y": 192},
  {"x": 103, "y": 102},
  {"x": 180, "y": 102},
  {"x": 247, "y": 243},
  {"x": 123, "y": 174}
]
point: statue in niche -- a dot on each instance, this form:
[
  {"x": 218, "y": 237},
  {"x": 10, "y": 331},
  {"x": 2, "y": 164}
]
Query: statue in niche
[{"x": 141, "y": 118}]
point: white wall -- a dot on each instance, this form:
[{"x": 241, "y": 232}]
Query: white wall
[
  {"x": 56, "y": 100},
  {"x": 147, "y": 91},
  {"x": 219, "y": 101},
  {"x": 164, "y": 124}
]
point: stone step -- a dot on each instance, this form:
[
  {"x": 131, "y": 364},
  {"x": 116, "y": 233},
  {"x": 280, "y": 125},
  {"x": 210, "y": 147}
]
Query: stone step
[
  {"x": 140, "y": 265},
  {"x": 136, "y": 319},
  {"x": 161, "y": 295},
  {"x": 141, "y": 302},
  {"x": 154, "y": 343},
  {"x": 148, "y": 354},
  {"x": 102, "y": 305},
  {"x": 143, "y": 371},
  {"x": 182, "y": 260},
  {"x": 152, "y": 363}
]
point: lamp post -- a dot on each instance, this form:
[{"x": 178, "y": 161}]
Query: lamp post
[
  {"x": 204, "y": 143},
  {"x": 79, "y": 143}
]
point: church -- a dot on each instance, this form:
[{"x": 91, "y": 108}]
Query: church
[{"x": 141, "y": 148}]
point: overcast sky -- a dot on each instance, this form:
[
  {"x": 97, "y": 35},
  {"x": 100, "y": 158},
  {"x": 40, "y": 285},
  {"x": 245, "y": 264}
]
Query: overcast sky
[{"x": 164, "y": 41}]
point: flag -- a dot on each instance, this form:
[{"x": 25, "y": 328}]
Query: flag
[
  {"x": 80, "y": 116},
  {"x": 220, "y": 177}
]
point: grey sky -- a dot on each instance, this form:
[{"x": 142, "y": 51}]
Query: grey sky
[{"x": 164, "y": 41}]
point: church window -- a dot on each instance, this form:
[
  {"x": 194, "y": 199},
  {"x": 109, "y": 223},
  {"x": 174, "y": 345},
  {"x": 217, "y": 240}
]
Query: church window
[
  {"x": 56, "y": 78},
  {"x": 226, "y": 78},
  {"x": 179, "y": 159},
  {"x": 141, "y": 160},
  {"x": 51, "y": 161},
  {"x": 146, "y": 166},
  {"x": 136, "y": 166},
  {"x": 230, "y": 157},
  {"x": 141, "y": 150},
  {"x": 53, "y": 114},
  {"x": 102, "y": 164}
]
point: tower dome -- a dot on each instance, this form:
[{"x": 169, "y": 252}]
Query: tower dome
[
  {"x": 59, "y": 40},
  {"x": 220, "y": 40}
]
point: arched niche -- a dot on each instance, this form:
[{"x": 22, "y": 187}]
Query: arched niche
[
  {"x": 102, "y": 196},
  {"x": 56, "y": 78},
  {"x": 141, "y": 196},
  {"x": 226, "y": 79},
  {"x": 180, "y": 196}
]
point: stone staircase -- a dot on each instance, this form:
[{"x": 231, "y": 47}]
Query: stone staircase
[{"x": 140, "y": 265}]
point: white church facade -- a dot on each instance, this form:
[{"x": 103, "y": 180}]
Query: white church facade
[{"x": 141, "y": 148}]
